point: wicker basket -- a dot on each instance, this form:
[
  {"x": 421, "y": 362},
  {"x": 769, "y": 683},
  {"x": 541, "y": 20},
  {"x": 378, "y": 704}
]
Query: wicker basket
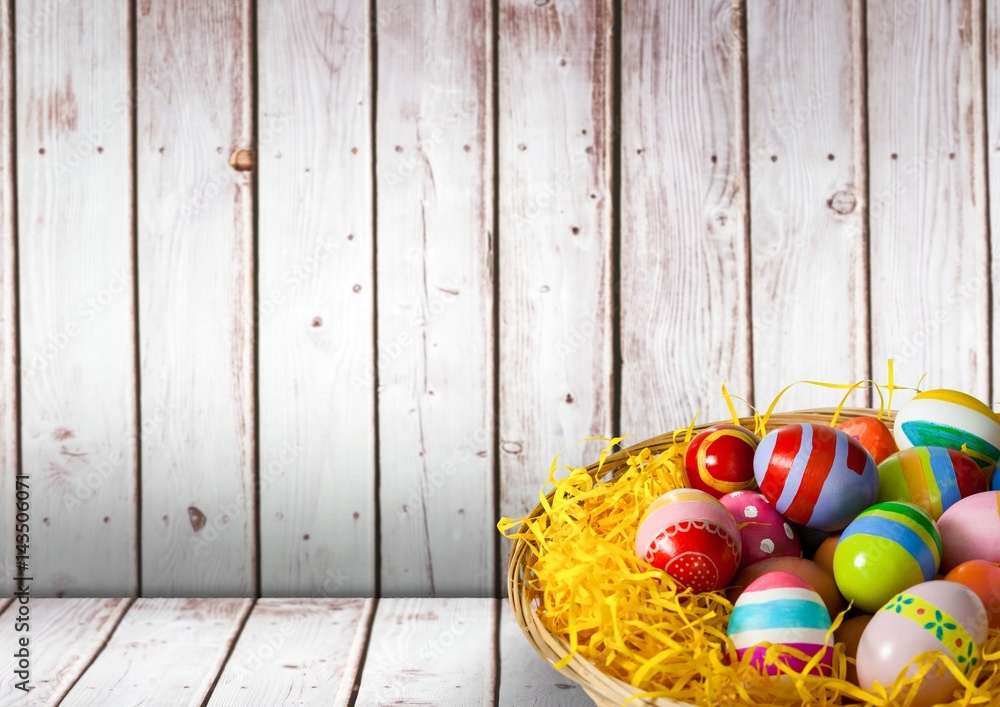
[{"x": 605, "y": 690}]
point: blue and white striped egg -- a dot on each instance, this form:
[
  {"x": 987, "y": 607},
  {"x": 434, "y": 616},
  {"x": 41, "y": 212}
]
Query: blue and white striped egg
[{"x": 780, "y": 608}]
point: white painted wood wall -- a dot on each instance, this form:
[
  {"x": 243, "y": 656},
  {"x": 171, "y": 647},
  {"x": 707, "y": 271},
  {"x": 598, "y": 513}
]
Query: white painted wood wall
[{"x": 472, "y": 233}]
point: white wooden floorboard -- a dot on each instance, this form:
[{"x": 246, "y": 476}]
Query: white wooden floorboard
[
  {"x": 195, "y": 259},
  {"x": 430, "y": 652},
  {"x": 296, "y": 652},
  {"x": 316, "y": 300},
  {"x": 75, "y": 274},
  {"x": 525, "y": 679},
  {"x": 435, "y": 301},
  {"x": 64, "y": 636},
  {"x": 164, "y": 652}
]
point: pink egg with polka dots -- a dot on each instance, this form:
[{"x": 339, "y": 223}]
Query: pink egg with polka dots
[{"x": 764, "y": 532}]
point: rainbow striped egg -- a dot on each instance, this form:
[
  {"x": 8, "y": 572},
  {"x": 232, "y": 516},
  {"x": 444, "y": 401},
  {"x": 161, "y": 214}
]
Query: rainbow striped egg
[
  {"x": 888, "y": 548},
  {"x": 780, "y": 608},
  {"x": 934, "y": 478},
  {"x": 692, "y": 537},
  {"x": 948, "y": 418},
  {"x": 815, "y": 475}
]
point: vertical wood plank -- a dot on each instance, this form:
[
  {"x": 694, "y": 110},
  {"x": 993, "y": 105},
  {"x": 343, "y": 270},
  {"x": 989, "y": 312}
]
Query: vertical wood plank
[
  {"x": 992, "y": 78},
  {"x": 684, "y": 290},
  {"x": 316, "y": 305},
  {"x": 430, "y": 651},
  {"x": 76, "y": 301},
  {"x": 555, "y": 239},
  {"x": 296, "y": 651},
  {"x": 929, "y": 255},
  {"x": 195, "y": 299},
  {"x": 525, "y": 679},
  {"x": 435, "y": 217},
  {"x": 807, "y": 179},
  {"x": 164, "y": 652},
  {"x": 9, "y": 431},
  {"x": 65, "y": 636}
]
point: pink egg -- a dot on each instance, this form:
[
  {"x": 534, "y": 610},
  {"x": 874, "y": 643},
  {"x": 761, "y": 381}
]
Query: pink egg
[
  {"x": 933, "y": 616},
  {"x": 970, "y": 530},
  {"x": 763, "y": 532}
]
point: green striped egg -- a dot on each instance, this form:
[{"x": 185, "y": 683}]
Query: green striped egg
[{"x": 886, "y": 549}]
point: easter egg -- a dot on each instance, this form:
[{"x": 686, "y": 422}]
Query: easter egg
[
  {"x": 933, "y": 616},
  {"x": 719, "y": 460},
  {"x": 780, "y": 608},
  {"x": 808, "y": 571},
  {"x": 934, "y": 478},
  {"x": 692, "y": 537},
  {"x": 995, "y": 486},
  {"x": 970, "y": 530},
  {"x": 873, "y": 436},
  {"x": 815, "y": 475},
  {"x": 763, "y": 532},
  {"x": 849, "y": 633},
  {"x": 824, "y": 553},
  {"x": 889, "y": 547},
  {"x": 983, "y": 578},
  {"x": 948, "y": 418}
]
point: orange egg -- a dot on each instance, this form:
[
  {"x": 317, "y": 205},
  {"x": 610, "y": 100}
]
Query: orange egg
[
  {"x": 849, "y": 633},
  {"x": 983, "y": 578},
  {"x": 873, "y": 435},
  {"x": 824, "y": 553},
  {"x": 807, "y": 570}
]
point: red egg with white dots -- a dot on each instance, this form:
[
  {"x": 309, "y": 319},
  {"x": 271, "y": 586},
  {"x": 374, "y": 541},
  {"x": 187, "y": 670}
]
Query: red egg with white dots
[
  {"x": 719, "y": 460},
  {"x": 692, "y": 537},
  {"x": 764, "y": 532}
]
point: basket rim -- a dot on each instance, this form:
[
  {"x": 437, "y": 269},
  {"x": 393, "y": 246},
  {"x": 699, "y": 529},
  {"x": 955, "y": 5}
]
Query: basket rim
[{"x": 604, "y": 689}]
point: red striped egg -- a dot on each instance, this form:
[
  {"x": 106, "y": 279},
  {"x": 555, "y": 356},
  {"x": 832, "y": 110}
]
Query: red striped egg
[
  {"x": 692, "y": 537},
  {"x": 815, "y": 475}
]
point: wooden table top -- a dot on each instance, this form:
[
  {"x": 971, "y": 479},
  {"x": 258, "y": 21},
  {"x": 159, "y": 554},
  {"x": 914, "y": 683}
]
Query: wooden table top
[{"x": 276, "y": 651}]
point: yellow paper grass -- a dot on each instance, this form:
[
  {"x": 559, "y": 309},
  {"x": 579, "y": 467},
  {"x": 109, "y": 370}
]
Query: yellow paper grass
[{"x": 633, "y": 622}]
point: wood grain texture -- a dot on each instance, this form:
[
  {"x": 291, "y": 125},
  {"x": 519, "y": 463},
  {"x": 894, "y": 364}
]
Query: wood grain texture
[
  {"x": 296, "y": 651},
  {"x": 76, "y": 301},
  {"x": 807, "y": 178},
  {"x": 430, "y": 652},
  {"x": 195, "y": 299},
  {"x": 556, "y": 366},
  {"x": 9, "y": 427},
  {"x": 684, "y": 259},
  {"x": 65, "y": 636},
  {"x": 525, "y": 679},
  {"x": 316, "y": 300},
  {"x": 164, "y": 652},
  {"x": 929, "y": 255},
  {"x": 992, "y": 78},
  {"x": 435, "y": 217}
]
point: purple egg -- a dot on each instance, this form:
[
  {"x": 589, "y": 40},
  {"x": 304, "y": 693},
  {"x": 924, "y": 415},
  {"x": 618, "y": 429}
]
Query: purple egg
[{"x": 764, "y": 532}]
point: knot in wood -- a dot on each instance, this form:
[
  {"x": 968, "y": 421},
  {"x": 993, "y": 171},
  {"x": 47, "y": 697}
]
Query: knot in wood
[
  {"x": 241, "y": 159},
  {"x": 843, "y": 202}
]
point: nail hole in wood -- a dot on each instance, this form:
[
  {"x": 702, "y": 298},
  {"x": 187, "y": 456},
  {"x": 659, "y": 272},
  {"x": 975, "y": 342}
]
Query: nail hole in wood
[{"x": 774, "y": 158}]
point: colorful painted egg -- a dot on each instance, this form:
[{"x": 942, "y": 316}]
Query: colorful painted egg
[
  {"x": 719, "y": 460},
  {"x": 983, "y": 578},
  {"x": 692, "y": 537},
  {"x": 815, "y": 475},
  {"x": 995, "y": 486},
  {"x": 933, "y": 616},
  {"x": 934, "y": 478},
  {"x": 948, "y": 418},
  {"x": 970, "y": 530},
  {"x": 873, "y": 436},
  {"x": 780, "y": 608},
  {"x": 889, "y": 547},
  {"x": 808, "y": 571},
  {"x": 763, "y": 532}
]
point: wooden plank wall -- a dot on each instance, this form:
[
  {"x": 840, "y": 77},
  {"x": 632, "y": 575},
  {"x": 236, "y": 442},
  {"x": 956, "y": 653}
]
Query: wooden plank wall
[{"x": 296, "y": 298}]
